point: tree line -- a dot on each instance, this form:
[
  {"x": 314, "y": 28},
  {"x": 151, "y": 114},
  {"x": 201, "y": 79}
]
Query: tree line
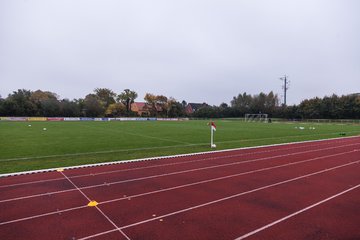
[
  {"x": 103, "y": 102},
  {"x": 328, "y": 107}
]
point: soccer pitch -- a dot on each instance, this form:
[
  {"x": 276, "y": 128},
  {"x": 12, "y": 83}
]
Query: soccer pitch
[{"x": 27, "y": 146}]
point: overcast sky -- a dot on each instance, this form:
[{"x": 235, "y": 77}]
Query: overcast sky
[{"x": 193, "y": 50}]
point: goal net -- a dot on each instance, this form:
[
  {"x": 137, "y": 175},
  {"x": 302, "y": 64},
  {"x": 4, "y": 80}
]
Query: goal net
[{"x": 260, "y": 117}]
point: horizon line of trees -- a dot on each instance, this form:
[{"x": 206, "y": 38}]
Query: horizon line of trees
[
  {"x": 103, "y": 102},
  {"x": 328, "y": 107}
]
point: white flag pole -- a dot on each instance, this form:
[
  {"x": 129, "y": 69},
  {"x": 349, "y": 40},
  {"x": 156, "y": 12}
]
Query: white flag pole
[
  {"x": 212, "y": 136},
  {"x": 212, "y": 129}
]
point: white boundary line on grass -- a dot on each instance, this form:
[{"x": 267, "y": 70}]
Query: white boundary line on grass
[
  {"x": 222, "y": 199},
  {"x": 165, "y": 165},
  {"x": 138, "y": 135},
  {"x": 193, "y": 170},
  {"x": 171, "y": 156},
  {"x": 98, "y": 152},
  {"x": 165, "y": 147}
]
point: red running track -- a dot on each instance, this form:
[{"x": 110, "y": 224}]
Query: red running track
[{"x": 307, "y": 190}]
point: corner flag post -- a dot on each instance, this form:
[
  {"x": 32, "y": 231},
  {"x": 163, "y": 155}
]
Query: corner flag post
[{"x": 212, "y": 129}]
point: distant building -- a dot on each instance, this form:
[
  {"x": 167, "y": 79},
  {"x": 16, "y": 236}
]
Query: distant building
[
  {"x": 143, "y": 109},
  {"x": 193, "y": 107},
  {"x": 140, "y": 108}
]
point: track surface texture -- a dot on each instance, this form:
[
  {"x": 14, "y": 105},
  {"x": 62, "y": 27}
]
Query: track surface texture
[{"x": 307, "y": 190}]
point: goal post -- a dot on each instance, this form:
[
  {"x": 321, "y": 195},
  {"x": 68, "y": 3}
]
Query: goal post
[{"x": 259, "y": 117}]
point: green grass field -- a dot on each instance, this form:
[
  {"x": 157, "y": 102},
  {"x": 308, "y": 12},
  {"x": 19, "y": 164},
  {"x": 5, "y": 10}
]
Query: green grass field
[{"x": 25, "y": 148}]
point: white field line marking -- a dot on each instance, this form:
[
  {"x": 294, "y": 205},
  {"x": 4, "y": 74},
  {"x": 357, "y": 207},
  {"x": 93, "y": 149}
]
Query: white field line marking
[
  {"x": 339, "y": 139},
  {"x": 171, "y": 188},
  {"x": 102, "y": 213},
  {"x": 222, "y": 199},
  {"x": 175, "y": 146},
  {"x": 158, "y": 138},
  {"x": 296, "y": 213},
  {"x": 176, "y": 173},
  {"x": 205, "y": 158},
  {"x": 245, "y": 140},
  {"x": 137, "y": 134},
  {"x": 93, "y": 153}
]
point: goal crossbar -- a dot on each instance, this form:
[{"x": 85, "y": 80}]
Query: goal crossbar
[{"x": 259, "y": 117}]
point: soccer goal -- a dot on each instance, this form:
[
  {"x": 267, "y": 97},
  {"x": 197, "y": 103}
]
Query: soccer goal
[{"x": 260, "y": 117}]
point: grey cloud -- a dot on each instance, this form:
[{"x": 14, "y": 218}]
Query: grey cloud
[{"x": 193, "y": 50}]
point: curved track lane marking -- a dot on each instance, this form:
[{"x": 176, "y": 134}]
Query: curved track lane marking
[
  {"x": 205, "y": 158},
  {"x": 296, "y": 213},
  {"x": 327, "y": 142},
  {"x": 173, "y": 188},
  {"x": 221, "y": 200},
  {"x": 222, "y": 178},
  {"x": 175, "y": 173}
]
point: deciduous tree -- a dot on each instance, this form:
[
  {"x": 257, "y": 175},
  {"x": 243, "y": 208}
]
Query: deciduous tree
[
  {"x": 93, "y": 107},
  {"x": 105, "y": 96},
  {"x": 127, "y": 97}
]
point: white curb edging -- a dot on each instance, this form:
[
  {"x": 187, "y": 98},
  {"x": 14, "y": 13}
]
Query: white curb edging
[{"x": 163, "y": 157}]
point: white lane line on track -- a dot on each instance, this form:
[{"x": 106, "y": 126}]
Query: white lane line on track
[
  {"x": 221, "y": 199},
  {"x": 205, "y": 158},
  {"x": 224, "y": 177},
  {"x": 295, "y": 136},
  {"x": 178, "y": 187},
  {"x": 97, "y": 208},
  {"x": 42, "y": 215},
  {"x": 296, "y": 213},
  {"x": 175, "y": 173}
]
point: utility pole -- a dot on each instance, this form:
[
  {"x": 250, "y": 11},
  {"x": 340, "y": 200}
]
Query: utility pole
[{"x": 285, "y": 86}]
